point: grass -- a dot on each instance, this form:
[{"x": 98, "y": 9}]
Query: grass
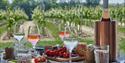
[
  {"x": 86, "y": 40},
  {"x": 53, "y": 43},
  {"x": 53, "y": 29},
  {"x": 4, "y": 45},
  {"x": 42, "y": 43},
  {"x": 29, "y": 45},
  {"x": 121, "y": 29},
  {"x": 122, "y": 44}
]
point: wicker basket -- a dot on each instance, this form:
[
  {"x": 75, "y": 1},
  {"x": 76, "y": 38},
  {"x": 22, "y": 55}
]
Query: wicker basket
[
  {"x": 81, "y": 49},
  {"x": 89, "y": 56},
  {"x": 86, "y": 52}
]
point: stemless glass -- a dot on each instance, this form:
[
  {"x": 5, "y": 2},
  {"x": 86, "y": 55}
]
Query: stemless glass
[
  {"x": 1, "y": 56},
  {"x": 24, "y": 57},
  {"x": 70, "y": 44},
  {"x": 33, "y": 35},
  {"x": 101, "y": 54},
  {"x": 121, "y": 57}
]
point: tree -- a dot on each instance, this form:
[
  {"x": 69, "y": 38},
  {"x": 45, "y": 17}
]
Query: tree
[
  {"x": 3, "y": 4},
  {"x": 26, "y": 5},
  {"x": 2, "y": 15},
  {"x": 11, "y": 17},
  {"x": 92, "y": 2}
]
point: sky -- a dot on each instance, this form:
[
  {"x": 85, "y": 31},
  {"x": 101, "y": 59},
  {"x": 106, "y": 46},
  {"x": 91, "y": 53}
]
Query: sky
[
  {"x": 115, "y": 1},
  {"x": 110, "y": 1},
  {"x": 10, "y": 1}
]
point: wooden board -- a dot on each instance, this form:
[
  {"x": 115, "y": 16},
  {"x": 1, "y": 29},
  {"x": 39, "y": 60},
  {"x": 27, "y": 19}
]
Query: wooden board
[{"x": 75, "y": 59}]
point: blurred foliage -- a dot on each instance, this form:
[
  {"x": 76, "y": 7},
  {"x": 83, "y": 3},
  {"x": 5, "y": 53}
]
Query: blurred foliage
[
  {"x": 29, "y": 5},
  {"x": 3, "y": 4},
  {"x": 2, "y": 15},
  {"x": 4, "y": 45},
  {"x": 39, "y": 12},
  {"x": 53, "y": 30},
  {"x": 75, "y": 14},
  {"x": 14, "y": 16},
  {"x": 122, "y": 44},
  {"x": 9, "y": 17},
  {"x": 92, "y": 2},
  {"x": 39, "y": 18},
  {"x": 121, "y": 29}
]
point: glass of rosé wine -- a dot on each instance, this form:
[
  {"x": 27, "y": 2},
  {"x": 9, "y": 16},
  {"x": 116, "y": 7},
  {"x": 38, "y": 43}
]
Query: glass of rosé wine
[{"x": 33, "y": 35}]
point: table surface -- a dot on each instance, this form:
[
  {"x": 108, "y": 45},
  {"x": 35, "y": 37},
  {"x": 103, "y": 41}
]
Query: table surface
[
  {"x": 121, "y": 59},
  {"x": 64, "y": 62}
]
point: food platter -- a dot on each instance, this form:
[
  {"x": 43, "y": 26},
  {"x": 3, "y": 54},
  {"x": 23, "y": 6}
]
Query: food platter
[
  {"x": 62, "y": 55},
  {"x": 74, "y": 59}
]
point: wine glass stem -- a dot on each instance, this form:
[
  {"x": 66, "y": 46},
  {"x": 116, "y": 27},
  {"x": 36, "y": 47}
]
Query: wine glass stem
[
  {"x": 19, "y": 44},
  {"x": 34, "y": 50},
  {"x": 34, "y": 47},
  {"x": 70, "y": 56}
]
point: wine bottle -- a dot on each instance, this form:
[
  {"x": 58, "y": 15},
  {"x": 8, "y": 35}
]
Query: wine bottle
[
  {"x": 105, "y": 32},
  {"x": 105, "y": 14}
]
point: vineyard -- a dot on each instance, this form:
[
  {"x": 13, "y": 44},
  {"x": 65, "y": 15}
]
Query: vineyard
[
  {"x": 61, "y": 19},
  {"x": 72, "y": 19}
]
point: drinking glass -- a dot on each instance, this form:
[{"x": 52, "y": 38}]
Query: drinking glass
[
  {"x": 63, "y": 35},
  {"x": 24, "y": 56},
  {"x": 18, "y": 34},
  {"x": 33, "y": 35},
  {"x": 70, "y": 44},
  {"x": 121, "y": 57},
  {"x": 101, "y": 54},
  {"x": 1, "y": 56},
  {"x": 2, "y": 60}
]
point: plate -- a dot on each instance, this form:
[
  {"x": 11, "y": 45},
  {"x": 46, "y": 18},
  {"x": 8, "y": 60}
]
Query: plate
[{"x": 58, "y": 59}]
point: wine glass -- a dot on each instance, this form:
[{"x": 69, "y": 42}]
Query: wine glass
[
  {"x": 63, "y": 35},
  {"x": 33, "y": 35},
  {"x": 70, "y": 44},
  {"x": 18, "y": 34}
]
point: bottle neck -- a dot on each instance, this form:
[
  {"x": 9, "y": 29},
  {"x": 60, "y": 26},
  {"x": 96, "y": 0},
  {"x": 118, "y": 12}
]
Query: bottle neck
[{"x": 105, "y": 15}]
